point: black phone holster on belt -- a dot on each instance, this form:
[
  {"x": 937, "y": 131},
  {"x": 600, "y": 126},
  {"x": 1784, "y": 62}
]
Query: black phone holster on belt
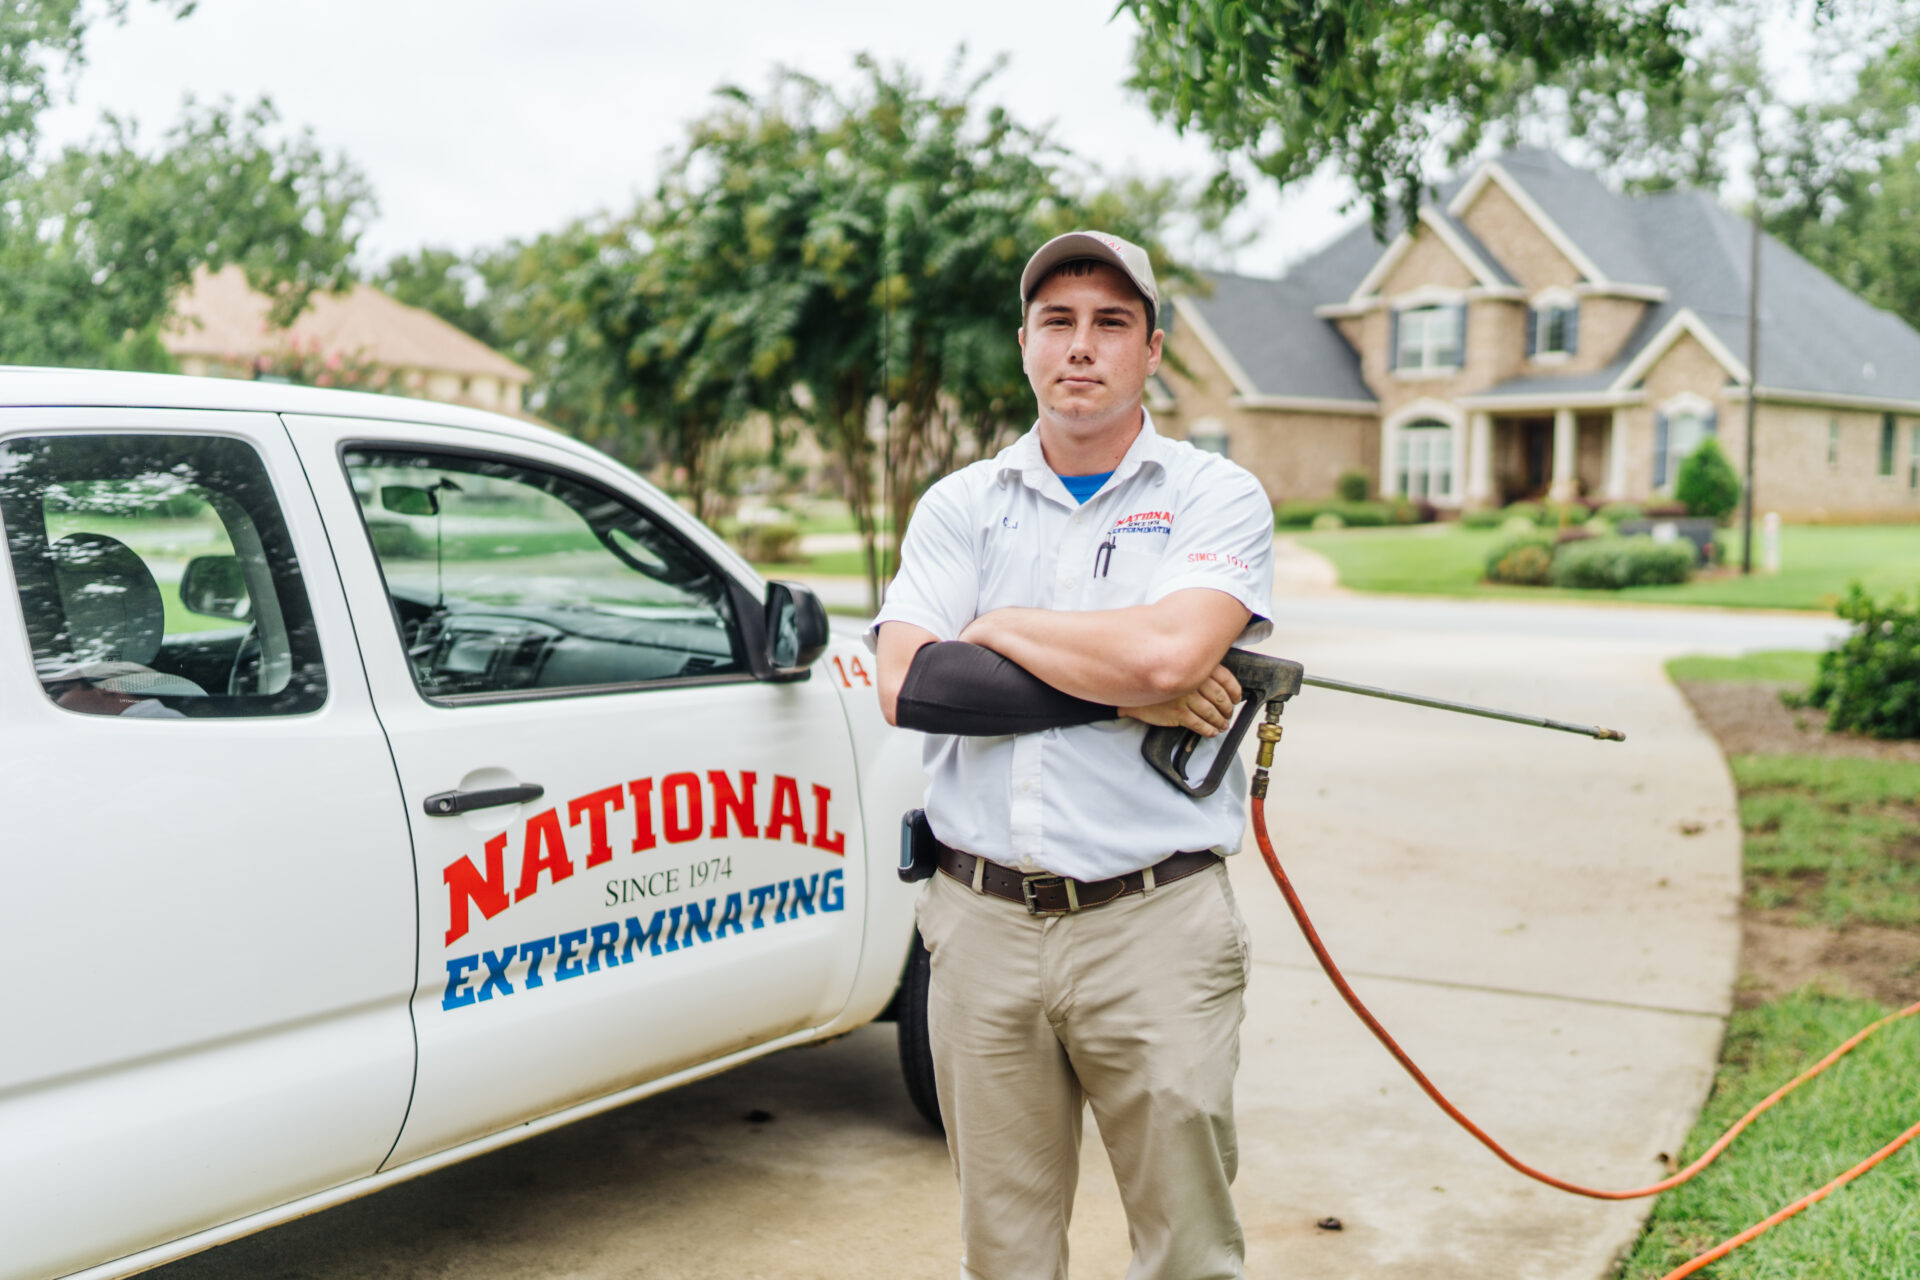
[{"x": 919, "y": 851}]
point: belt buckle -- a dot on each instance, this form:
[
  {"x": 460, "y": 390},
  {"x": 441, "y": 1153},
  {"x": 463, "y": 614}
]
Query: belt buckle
[{"x": 1029, "y": 883}]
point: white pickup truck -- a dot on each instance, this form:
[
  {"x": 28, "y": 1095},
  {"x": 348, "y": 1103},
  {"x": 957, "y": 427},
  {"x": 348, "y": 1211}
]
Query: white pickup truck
[{"x": 386, "y": 782}]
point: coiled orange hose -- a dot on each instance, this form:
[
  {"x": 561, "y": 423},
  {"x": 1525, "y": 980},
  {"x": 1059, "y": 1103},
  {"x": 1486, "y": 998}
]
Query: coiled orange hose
[{"x": 1440, "y": 1100}]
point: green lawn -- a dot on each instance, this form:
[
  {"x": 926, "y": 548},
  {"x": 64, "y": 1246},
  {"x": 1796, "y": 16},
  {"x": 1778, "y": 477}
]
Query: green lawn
[
  {"x": 1795, "y": 667},
  {"x": 1818, "y": 561},
  {"x": 1833, "y": 837},
  {"x": 1865, "y": 1232}
]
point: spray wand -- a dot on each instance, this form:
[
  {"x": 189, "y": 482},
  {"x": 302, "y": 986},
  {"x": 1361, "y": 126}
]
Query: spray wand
[{"x": 1266, "y": 684}]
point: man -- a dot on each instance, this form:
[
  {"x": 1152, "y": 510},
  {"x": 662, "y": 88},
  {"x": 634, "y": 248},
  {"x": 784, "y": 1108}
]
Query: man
[{"x": 1085, "y": 943}]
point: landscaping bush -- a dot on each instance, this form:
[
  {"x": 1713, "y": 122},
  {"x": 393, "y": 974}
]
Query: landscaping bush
[
  {"x": 1707, "y": 484},
  {"x": 1532, "y": 511},
  {"x": 1664, "y": 511},
  {"x": 1574, "y": 533},
  {"x": 1352, "y": 486},
  {"x": 1327, "y": 522},
  {"x": 1517, "y": 524},
  {"x": 396, "y": 540},
  {"x": 1599, "y": 527},
  {"x": 1482, "y": 518},
  {"x": 1521, "y": 559},
  {"x": 1300, "y": 513},
  {"x": 1871, "y": 683},
  {"x": 1608, "y": 564},
  {"x": 776, "y": 542},
  {"x": 1615, "y": 512}
]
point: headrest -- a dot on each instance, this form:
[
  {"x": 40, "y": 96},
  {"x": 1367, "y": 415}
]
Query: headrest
[{"x": 113, "y": 606}]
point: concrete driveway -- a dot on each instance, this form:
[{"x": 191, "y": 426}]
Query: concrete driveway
[{"x": 1527, "y": 911}]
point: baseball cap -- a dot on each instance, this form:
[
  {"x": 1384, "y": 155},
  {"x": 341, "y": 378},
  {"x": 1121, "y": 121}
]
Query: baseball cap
[{"x": 1130, "y": 258}]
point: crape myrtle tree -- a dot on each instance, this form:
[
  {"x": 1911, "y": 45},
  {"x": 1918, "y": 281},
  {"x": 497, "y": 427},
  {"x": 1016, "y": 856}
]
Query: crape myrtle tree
[
  {"x": 96, "y": 241},
  {"x": 850, "y": 260}
]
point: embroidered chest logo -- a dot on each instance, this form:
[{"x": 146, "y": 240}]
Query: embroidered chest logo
[{"x": 1143, "y": 522}]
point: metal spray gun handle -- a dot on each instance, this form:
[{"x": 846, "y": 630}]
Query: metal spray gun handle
[{"x": 1262, "y": 680}]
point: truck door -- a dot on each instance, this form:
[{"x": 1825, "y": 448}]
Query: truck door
[
  {"x": 633, "y": 856},
  {"x": 207, "y": 930}
]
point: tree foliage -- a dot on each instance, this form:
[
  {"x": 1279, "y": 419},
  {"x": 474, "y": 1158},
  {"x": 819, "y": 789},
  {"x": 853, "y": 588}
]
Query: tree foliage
[
  {"x": 1380, "y": 90},
  {"x": 96, "y": 241},
  {"x": 1707, "y": 483}
]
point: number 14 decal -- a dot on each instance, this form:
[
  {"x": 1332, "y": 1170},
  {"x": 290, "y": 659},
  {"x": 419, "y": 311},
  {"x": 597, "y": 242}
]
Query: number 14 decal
[{"x": 859, "y": 671}]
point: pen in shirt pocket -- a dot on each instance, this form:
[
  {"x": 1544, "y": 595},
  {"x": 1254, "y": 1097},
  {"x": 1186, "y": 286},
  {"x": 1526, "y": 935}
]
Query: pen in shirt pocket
[{"x": 1103, "y": 557}]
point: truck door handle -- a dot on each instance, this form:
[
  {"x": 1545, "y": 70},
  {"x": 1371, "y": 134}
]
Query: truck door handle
[{"x": 445, "y": 804}]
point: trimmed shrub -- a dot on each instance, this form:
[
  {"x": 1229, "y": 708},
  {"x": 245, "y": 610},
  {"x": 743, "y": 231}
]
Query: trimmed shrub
[
  {"x": 1482, "y": 518},
  {"x": 1664, "y": 511},
  {"x": 1352, "y": 486},
  {"x": 1618, "y": 511},
  {"x": 1707, "y": 484},
  {"x": 395, "y": 539},
  {"x": 1532, "y": 511},
  {"x": 1574, "y": 533},
  {"x": 1517, "y": 524},
  {"x": 1599, "y": 527},
  {"x": 1871, "y": 683},
  {"x": 1300, "y": 513},
  {"x": 1327, "y": 521},
  {"x": 1522, "y": 559},
  {"x": 1608, "y": 564},
  {"x": 769, "y": 543}
]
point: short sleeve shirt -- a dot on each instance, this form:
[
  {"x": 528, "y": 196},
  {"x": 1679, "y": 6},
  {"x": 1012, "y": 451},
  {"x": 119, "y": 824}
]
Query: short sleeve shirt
[{"x": 1005, "y": 532}]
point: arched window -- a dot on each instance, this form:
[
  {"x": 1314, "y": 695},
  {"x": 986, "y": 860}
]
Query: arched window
[{"x": 1423, "y": 460}]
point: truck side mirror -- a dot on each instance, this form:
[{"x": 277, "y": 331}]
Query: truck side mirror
[
  {"x": 216, "y": 587},
  {"x": 796, "y": 629}
]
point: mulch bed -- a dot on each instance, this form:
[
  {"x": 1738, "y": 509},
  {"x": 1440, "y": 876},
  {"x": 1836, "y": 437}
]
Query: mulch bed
[{"x": 1779, "y": 952}]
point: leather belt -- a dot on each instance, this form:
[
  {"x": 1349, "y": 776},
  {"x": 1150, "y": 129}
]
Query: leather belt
[{"x": 1050, "y": 895}]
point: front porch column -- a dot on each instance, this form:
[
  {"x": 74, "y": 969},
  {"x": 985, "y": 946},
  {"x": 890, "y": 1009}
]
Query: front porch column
[
  {"x": 1564, "y": 446},
  {"x": 1617, "y": 457},
  {"x": 1479, "y": 459}
]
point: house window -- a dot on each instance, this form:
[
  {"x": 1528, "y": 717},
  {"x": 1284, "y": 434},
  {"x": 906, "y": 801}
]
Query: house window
[
  {"x": 1913, "y": 458},
  {"x": 1423, "y": 461},
  {"x": 1887, "y": 433},
  {"x": 1209, "y": 434},
  {"x": 1833, "y": 443},
  {"x": 1677, "y": 433},
  {"x": 1555, "y": 330},
  {"x": 1429, "y": 338}
]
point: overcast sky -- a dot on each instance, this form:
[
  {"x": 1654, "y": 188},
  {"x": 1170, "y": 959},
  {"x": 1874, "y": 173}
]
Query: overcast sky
[{"x": 477, "y": 120}]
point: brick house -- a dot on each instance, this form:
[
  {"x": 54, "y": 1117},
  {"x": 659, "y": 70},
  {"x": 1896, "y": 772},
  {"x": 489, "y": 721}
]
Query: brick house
[{"x": 1534, "y": 334}]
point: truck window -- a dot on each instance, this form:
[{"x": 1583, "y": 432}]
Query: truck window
[
  {"x": 512, "y": 581},
  {"x": 156, "y": 577}
]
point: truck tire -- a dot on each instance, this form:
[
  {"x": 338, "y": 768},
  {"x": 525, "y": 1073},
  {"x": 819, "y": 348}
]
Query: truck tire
[{"x": 916, "y": 1051}]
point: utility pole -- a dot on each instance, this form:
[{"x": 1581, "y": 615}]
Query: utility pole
[{"x": 1753, "y": 358}]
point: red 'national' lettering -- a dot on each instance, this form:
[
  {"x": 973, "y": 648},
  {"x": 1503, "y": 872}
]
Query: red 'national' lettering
[{"x": 686, "y": 799}]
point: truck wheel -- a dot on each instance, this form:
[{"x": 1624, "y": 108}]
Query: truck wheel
[{"x": 916, "y": 1051}]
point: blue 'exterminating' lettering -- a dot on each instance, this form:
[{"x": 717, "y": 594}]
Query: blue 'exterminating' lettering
[{"x": 621, "y": 942}]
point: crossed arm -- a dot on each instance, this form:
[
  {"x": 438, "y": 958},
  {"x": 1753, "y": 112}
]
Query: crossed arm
[{"x": 1158, "y": 663}]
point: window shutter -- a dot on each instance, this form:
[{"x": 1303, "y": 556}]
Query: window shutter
[
  {"x": 1573, "y": 328},
  {"x": 1533, "y": 332},
  {"x": 1460, "y": 335},
  {"x": 1659, "y": 450},
  {"x": 1393, "y": 338}
]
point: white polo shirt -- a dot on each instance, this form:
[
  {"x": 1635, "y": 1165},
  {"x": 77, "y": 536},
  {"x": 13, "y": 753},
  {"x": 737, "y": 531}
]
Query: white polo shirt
[{"x": 1004, "y": 532}]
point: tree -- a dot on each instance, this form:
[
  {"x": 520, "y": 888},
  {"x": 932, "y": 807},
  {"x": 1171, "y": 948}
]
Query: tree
[
  {"x": 1707, "y": 483},
  {"x": 446, "y": 284},
  {"x": 1376, "y": 89},
  {"x": 96, "y": 241}
]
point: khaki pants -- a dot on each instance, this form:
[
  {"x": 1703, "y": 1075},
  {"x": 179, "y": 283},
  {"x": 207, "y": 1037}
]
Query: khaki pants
[{"x": 1133, "y": 1007}]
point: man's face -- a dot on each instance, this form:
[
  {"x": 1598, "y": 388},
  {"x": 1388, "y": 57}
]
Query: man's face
[{"x": 1085, "y": 346}]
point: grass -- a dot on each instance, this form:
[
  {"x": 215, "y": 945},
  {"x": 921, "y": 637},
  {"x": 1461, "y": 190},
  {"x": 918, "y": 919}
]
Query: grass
[
  {"x": 1867, "y": 1231},
  {"x": 831, "y": 564},
  {"x": 1836, "y": 838},
  {"x": 1818, "y": 562},
  {"x": 1795, "y": 667}
]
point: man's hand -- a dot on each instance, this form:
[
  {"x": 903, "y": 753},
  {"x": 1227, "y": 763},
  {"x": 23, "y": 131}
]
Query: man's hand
[{"x": 1207, "y": 710}]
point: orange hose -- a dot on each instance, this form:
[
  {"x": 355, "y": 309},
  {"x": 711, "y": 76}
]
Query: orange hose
[{"x": 1440, "y": 1100}]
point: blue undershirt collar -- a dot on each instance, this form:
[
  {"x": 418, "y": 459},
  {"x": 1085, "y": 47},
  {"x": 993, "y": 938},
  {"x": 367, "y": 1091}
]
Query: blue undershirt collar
[{"x": 1084, "y": 487}]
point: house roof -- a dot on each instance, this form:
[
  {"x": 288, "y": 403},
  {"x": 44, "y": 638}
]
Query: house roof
[
  {"x": 220, "y": 318},
  {"x": 1816, "y": 335}
]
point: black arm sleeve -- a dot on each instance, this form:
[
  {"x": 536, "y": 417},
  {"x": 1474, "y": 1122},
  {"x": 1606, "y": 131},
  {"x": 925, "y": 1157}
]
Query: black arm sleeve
[{"x": 955, "y": 687}]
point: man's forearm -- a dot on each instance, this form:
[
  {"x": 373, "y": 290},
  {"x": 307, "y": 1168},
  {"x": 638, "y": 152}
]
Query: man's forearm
[{"x": 1129, "y": 657}]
